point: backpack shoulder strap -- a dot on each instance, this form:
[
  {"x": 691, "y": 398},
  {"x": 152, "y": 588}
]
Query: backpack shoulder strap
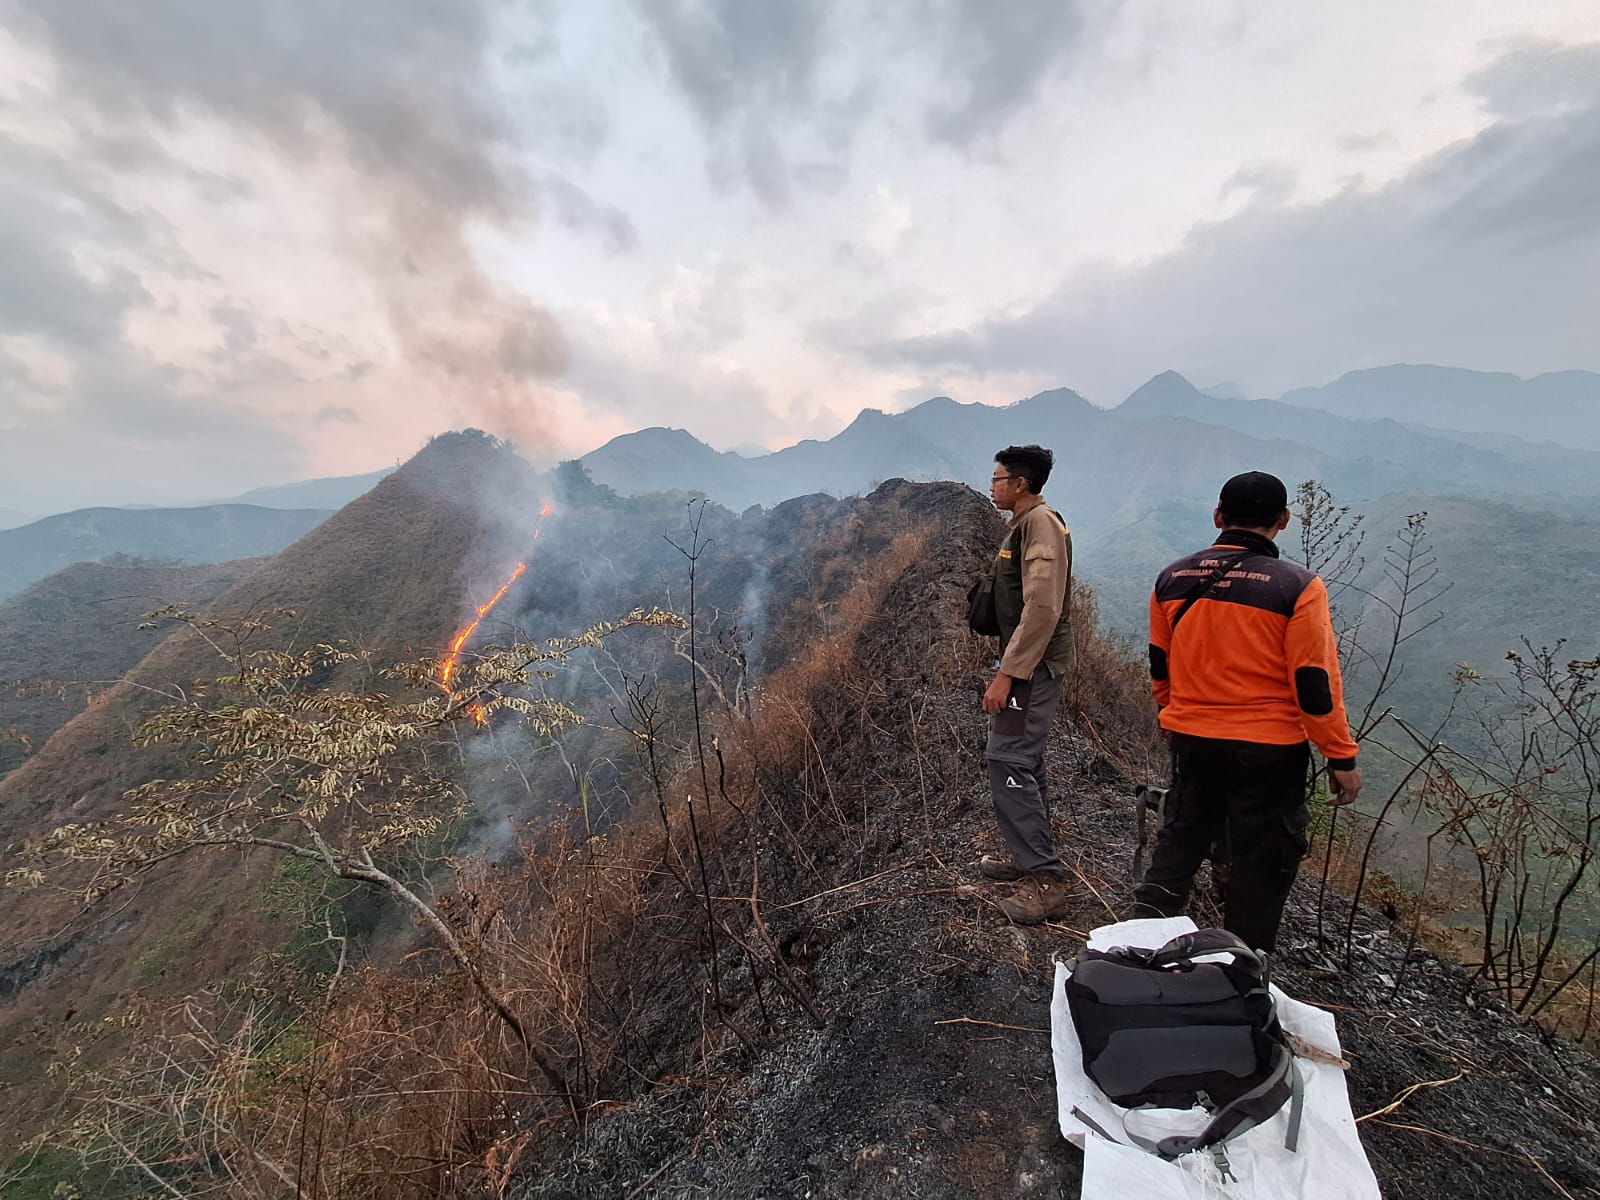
[
  {"x": 1188, "y": 946},
  {"x": 1249, "y": 1110},
  {"x": 1216, "y": 578}
]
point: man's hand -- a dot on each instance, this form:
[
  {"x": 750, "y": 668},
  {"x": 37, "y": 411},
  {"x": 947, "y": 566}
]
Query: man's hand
[
  {"x": 994, "y": 700},
  {"x": 1346, "y": 786}
]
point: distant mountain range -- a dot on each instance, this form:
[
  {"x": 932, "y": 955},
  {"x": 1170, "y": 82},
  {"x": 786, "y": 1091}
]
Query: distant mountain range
[
  {"x": 1561, "y": 407},
  {"x": 1168, "y": 442},
  {"x": 261, "y": 521},
  {"x": 166, "y": 535},
  {"x": 1138, "y": 482},
  {"x": 1440, "y": 459},
  {"x": 329, "y": 493}
]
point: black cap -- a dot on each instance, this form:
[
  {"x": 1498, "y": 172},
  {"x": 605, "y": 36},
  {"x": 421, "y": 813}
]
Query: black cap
[{"x": 1254, "y": 498}]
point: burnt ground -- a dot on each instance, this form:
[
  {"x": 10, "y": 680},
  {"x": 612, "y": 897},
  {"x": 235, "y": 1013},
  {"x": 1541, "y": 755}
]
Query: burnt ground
[{"x": 931, "y": 1076}]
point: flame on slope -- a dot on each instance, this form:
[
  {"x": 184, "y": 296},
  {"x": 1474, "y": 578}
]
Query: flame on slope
[{"x": 447, "y": 668}]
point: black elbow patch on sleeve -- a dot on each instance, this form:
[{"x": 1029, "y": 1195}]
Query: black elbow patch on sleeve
[
  {"x": 1313, "y": 691},
  {"x": 1158, "y": 662}
]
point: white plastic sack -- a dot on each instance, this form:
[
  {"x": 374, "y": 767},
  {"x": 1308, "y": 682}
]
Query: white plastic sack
[{"x": 1329, "y": 1164}]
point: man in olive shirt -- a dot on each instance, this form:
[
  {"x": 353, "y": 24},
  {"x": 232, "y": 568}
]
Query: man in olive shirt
[{"x": 1032, "y": 582}]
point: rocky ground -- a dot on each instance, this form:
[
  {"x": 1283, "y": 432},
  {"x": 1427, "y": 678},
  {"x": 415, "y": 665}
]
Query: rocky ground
[{"x": 931, "y": 1075}]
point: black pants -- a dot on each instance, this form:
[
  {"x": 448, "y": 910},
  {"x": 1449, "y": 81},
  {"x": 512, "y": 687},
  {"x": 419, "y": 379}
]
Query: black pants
[{"x": 1253, "y": 795}]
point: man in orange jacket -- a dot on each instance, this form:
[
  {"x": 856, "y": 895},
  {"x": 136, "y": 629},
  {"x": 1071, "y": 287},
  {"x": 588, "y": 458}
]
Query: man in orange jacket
[{"x": 1245, "y": 669}]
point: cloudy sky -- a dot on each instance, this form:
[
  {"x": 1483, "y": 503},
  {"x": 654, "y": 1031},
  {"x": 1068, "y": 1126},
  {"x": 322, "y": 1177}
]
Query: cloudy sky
[{"x": 249, "y": 241}]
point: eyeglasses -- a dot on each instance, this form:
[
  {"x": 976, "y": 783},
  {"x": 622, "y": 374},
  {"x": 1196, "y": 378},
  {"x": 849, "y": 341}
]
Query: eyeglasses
[{"x": 994, "y": 479}]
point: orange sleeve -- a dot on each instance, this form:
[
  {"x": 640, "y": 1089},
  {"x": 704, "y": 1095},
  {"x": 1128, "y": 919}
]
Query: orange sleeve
[
  {"x": 1160, "y": 644},
  {"x": 1312, "y": 653}
]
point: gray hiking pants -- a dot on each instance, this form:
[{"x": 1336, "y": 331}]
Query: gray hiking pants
[{"x": 1017, "y": 787}]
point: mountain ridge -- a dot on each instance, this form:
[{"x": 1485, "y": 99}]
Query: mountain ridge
[
  {"x": 329, "y": 492},
  {"x": 214, "y": 533},
  {"x": 1556, "y": 406},
  {"x": 1099, "y": 449}
]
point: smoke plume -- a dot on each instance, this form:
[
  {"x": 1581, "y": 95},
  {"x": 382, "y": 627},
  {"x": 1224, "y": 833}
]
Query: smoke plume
[{"x": 385, "y": 101}]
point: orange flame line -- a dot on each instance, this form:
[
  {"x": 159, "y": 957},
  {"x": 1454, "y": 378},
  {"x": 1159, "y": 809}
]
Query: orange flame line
[{"x": 447, "y": 668}]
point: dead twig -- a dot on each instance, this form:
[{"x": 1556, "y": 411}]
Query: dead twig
[
  {"x": 1314, "y": 1053},
  {"x": 1084, "y": 879},
  {"x": 845, "y": 887},
  {"x": 1409, "y": 1092},
  {"x": 949, "y": 891},
  {"x": 1443, "y": 1137},
  {"x": 991, "y": 1025},
  {"x": 1539, "y": 1167},
  {"x": 1077, "y": 933},
  {"x": 1455, "y": 1141},
  {"x": 644, "y": 1185}
]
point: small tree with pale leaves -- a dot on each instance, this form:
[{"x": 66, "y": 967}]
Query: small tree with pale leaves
[{"x": 349, "y": 780}]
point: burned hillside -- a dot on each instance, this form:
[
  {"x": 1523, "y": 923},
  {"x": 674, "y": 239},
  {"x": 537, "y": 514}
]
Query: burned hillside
[
  {"x": 919, "y": 1064},
  {"x": 774, "y": 972},
  {"x": 390, "y": 578}
]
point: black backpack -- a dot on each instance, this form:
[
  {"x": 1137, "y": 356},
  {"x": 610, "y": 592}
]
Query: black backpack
[
  {"x": 1160, "y": 1030},
  {"x": 981, "y": 616}
]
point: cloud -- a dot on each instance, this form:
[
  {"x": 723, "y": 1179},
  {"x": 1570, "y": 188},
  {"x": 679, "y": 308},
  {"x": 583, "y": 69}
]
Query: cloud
[
  {"x": 1534, "y": 78},
  {"x": 1262, "y": 183},
  {"x": 1483, "y": 254},
  {"x": 366, "y": 143},
  {"x": 124, "y": 432},
  {"x": 783, "y": 89},
  {"x": 576, "y": 209},
  {"x": 732, "y": 56},
  {"x": 995, "y": 57},
  {"x": 680, "y": 356},
  {"x": 44, "y": 289},
  {"x": 1361, "y": 143},
  {"x": 747, "y": 68},
  {"x": 281, "y": 67}
]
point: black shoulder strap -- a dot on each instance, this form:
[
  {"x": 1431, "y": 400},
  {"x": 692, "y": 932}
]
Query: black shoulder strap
[
  {"x": 1188, "y": 946},
  {"x": 1216, "y": 578},
  {"x": 1253, "y": 1108}
]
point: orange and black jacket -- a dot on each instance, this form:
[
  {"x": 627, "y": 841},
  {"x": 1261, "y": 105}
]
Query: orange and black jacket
[{"x": 1254, "y": 659}]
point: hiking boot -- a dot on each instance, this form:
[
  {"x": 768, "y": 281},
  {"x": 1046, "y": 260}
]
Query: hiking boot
[
  {"x": 1001, "y": 870},
  {"x": 1039, "y": 898}
]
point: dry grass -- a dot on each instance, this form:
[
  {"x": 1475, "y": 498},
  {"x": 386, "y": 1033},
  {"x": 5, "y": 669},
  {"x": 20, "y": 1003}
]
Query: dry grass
[
  {"x": 1109, "y": 695},
  {"x": 397, "y": 1083},
  {"x": 1429, "y": 916},
  {"x": 641, "y": 956}
]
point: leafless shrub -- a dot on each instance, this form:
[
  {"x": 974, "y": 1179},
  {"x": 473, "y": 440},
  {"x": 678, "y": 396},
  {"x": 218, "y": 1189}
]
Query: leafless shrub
[{"x": 1502, "y": 788}]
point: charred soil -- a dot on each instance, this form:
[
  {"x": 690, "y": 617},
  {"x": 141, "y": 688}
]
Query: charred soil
[{"x": 923, "y": 1068}]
